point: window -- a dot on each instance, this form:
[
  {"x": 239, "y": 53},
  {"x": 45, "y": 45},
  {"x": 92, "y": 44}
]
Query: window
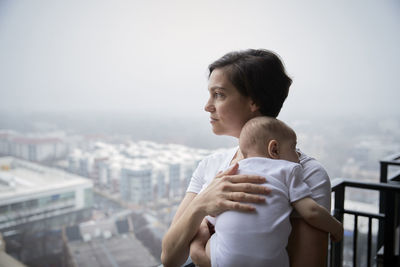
[
  {"x": 31, "y": 203},
  {"x": 3, "y": 209},
  {"x": 88, "y": 197},
  {"x": 17, "y": 206}
]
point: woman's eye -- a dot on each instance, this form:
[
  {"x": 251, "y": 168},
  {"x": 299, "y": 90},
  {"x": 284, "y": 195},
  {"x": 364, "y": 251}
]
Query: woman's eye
[{"x": 218, "y": 95}]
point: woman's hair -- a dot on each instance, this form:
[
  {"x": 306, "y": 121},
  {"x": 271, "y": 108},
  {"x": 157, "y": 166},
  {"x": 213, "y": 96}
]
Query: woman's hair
[{"x": 258, "y": 74}]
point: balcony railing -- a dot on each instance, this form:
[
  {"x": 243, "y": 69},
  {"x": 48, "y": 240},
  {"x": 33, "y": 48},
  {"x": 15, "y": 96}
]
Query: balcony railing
[{"x": 387, "y": 249}]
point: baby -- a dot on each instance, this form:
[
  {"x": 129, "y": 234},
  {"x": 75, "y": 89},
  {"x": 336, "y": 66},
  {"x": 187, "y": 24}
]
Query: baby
[{"x": 260, "y": 238}]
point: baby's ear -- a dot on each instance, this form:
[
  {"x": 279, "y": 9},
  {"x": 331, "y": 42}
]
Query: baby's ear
[{"x": 273, "y": 149}]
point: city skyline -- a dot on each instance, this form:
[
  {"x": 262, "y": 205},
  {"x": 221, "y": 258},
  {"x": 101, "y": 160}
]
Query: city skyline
[{"x": 346, "y": 147}]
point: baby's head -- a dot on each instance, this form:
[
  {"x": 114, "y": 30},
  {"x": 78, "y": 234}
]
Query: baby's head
[{"x": 268, "y": 137}]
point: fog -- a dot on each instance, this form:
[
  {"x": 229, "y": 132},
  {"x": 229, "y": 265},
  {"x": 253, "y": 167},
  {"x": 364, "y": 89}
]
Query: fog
[{"x": 151, "y": 57}]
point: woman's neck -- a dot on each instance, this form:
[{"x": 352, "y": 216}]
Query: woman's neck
[{"x": 238, "y": 156}]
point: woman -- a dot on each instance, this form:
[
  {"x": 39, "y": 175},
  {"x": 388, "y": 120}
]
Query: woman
[{"x": 243, "y": 85}]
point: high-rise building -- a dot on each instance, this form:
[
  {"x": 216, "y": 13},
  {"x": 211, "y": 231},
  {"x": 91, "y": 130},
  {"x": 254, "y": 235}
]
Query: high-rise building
[
  {"x": 136, "y": 184},
  {"x": 174, "y": 180},
  {"x": 159, "y": 182}
]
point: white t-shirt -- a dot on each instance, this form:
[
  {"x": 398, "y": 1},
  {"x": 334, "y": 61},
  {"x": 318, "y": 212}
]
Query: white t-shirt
[
  {"x": 260, "y": 238},
  {"x": 314, "y": 175}
]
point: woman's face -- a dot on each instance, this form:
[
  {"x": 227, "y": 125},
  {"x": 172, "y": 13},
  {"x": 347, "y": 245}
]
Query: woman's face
[{"x": 228, "y": 109}]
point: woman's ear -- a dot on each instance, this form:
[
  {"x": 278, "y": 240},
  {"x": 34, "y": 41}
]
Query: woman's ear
[
  {"x": 253, "y": 106},
  {"x": 273, "y": 149}
]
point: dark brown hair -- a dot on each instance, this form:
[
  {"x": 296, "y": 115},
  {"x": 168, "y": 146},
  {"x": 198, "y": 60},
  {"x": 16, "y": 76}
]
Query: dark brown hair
[{"x": 258, "y": 74}]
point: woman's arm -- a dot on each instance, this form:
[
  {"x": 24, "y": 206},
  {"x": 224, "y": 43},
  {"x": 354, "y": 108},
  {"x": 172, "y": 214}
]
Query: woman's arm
[
  {"x": 223, "y": 193},
  {"x": 175, "y": 244},
  {"x": 307, "y": 245}
]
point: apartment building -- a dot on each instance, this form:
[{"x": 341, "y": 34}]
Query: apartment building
[{"x": 32, "y": 193}]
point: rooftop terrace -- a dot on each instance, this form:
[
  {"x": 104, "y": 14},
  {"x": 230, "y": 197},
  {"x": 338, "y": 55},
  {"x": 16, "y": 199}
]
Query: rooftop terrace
[{"x": 19, "y": 178}]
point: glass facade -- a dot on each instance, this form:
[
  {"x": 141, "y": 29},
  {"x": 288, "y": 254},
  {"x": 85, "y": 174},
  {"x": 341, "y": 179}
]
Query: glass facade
[
  {"x": 88, "y": 197},
  {"x": 55, "y": 200},
  {"x": 136, "y": 186}
]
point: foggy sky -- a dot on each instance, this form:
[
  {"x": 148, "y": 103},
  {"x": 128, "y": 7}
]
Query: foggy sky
[{"x": 152, "y": 56}]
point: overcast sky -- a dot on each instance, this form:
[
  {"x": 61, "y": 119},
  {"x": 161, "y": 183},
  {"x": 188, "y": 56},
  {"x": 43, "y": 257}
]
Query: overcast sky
[{"x": 152, "y": 56}]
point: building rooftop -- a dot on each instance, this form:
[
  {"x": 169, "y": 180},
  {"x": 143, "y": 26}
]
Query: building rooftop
[
  {"x": 143, "y": 152},
  {"x": 35, "y": 141},
  {"x": 122, "y": 250},
  {"x": 108, "y": 242},
  {"x": 19, "y": 178}
]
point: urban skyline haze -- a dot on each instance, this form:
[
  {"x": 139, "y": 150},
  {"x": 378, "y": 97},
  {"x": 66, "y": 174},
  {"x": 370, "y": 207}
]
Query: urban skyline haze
[{"x": 151, "y": 57}]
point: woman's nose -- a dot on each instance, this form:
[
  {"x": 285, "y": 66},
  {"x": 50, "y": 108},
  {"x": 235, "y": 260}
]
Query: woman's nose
[{"x": 209, "y": 107}]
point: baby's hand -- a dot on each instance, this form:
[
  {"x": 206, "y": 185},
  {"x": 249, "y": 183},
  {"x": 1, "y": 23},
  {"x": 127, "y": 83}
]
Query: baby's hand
[{"x": 338, "y": 235}]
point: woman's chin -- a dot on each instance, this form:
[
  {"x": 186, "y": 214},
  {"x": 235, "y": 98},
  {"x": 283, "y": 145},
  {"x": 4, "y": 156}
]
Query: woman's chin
[
  {"x": 217, "y": 131},
  {"x": 220, "y": 132}
]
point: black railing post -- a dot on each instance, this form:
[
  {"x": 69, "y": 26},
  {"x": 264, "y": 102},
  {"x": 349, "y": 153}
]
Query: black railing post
[
  {"x": 369, "y": 241},
  {"x": 384, "y": 171},
  {"x": 389, "y": 204},
  {"x": 389, "y": 231},
  {"x": 382, "y": 201},
  {"x": 337, "y": 248},
  {"x": 397, "y": 223},
  {"x": 355, "y": 238}
]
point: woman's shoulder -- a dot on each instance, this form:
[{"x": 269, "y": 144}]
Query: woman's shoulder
[
  {"x": 221, "y": 154},
  {"x": 311, "y": 164},
  {"x": 217, "y": 161},
  {"x": 317, "y": 179},
  {"x": 209, "y": 167}
]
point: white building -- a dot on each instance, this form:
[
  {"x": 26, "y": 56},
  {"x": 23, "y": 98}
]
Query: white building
[
  {"x": 32, "y": 148},
  {"x": 30, "y": 193},
  {"x": 159, "y": 178},
  {"x": 187, "y": 171},
  {"x": 5, "y": 137},
  {"x": 133, "y": 166},
  {"x": 174, "y": 179},
  {"x": 136, "y": 183}
]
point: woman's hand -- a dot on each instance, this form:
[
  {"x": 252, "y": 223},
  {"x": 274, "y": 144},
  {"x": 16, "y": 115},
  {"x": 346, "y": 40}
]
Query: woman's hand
[
  {"x": 228, "y": 189},
  {"x": 198, "y": 245}
]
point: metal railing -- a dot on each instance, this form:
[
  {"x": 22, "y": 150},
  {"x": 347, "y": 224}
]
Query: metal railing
[
  {"x": 388, "y": 217},
  {"x": 392, "y": 200}
]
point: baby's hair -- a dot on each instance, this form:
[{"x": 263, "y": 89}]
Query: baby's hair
[{"x": 259, "y": 131}]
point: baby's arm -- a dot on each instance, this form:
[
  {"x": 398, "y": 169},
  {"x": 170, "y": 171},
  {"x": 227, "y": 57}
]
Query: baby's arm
[
  {"x": 198, "y": 246},
  {"x": 319, "y": 217}
]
